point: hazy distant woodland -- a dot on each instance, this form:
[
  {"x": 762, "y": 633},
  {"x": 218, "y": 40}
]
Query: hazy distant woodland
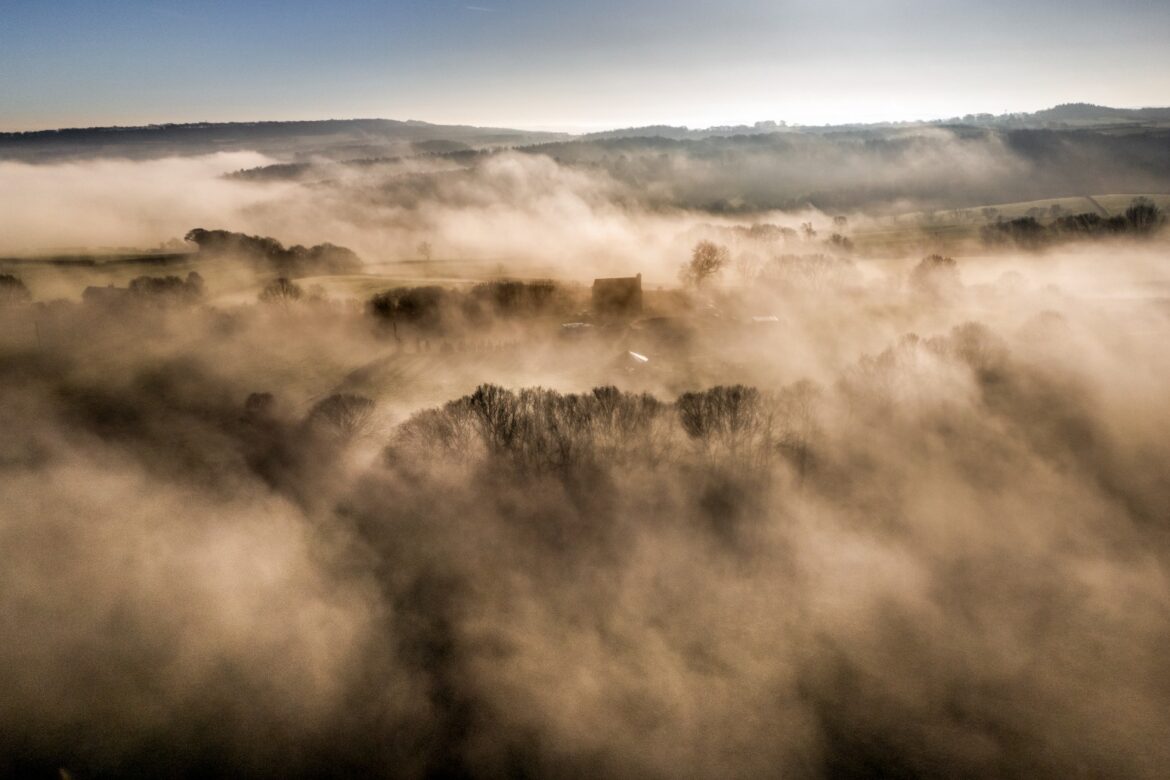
[{"x": 321, "y": 457}]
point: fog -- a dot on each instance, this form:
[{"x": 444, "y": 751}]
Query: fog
[
  {"x": 849, "y": 513},
  {"x": 576, "y": 209},
  {"x": 116, "y": 203}
]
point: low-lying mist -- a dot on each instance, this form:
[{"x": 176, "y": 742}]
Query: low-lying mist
[
  {"x": 581, "y": 208},
  {"x": 817, "y": 513}
]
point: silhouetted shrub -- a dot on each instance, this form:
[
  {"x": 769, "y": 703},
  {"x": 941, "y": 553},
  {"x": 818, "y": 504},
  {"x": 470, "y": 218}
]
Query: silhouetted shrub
[
  {"x": 841, "y": 242},
  {"x": 281, "y": 290},
  {"x": 1143, "y": 216}
]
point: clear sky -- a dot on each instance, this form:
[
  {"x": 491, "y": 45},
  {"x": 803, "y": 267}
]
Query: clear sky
[{"x": 572, "y": 65}]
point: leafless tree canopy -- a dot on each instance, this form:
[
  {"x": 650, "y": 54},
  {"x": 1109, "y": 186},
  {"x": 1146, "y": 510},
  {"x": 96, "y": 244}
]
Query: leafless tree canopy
[{"x": 707, "y": 260}]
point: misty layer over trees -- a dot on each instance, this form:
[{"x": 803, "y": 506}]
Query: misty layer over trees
[
  {"x": 508, "y": 465},
  {"x": 911, "y": 524},
  {"x": 602, "y": 206},
  {"x": 839, "y": 169}
]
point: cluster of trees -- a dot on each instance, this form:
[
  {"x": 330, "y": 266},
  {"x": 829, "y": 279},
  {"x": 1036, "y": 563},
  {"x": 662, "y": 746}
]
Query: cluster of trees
[
  {"x": 509, "y": 298},
  {"x": 544, "y": 431},
  {"x": 157, "y": 290},
  {"x": 763, "y": 232},
  {"x": 812, "y": 272},
  {"x": 432, "y": 308},
  {"x": 295, "y": 454},
  {"x": 934, "y": 276},
  {"x": 750, "y": 247},
  {"x": 1142, "y": 218},
  {"x": 535, "y": 429},
  {"x": 418, "y": 307},
  {"x": 188, "y": 290},
  {"x": 295, "y": 261}
]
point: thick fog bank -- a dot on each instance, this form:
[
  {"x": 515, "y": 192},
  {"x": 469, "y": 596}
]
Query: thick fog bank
[{"x": 912, "y": 522}]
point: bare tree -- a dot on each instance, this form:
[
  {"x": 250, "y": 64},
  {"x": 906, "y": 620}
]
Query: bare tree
[
  {"x": 810, "y": 273},
  {"x": 796, "y": 412},
  {"x": 747, "y": 265},
  {"x": 348, "y": 415},
  {"x": 707, "y": 260},
  {"x": 732, "y": 417},
  {"x": 496, "y": 410}
]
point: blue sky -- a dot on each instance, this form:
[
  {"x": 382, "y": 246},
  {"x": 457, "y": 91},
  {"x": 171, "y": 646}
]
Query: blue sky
[{"x": 571, "y": 65}]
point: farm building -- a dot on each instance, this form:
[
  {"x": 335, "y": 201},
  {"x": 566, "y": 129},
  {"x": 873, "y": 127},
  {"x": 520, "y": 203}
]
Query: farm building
[{"x": 620, "y": 295}]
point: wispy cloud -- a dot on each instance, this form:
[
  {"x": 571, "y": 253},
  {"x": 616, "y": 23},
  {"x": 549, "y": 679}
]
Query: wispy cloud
[{"x": 481, "y": 9}]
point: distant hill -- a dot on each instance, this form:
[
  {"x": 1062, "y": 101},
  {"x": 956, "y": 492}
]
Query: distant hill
[
  {"x": 1087, "y": 112},
  {"x": 298, "y": 146},
  {"x": 290, "y": 141},
  {"x": 1080, "y": 112},
  {"x": 1066, "y": 116},
  {"x": 685, "y": 133},
  {"x": 1070, "y": 116}
]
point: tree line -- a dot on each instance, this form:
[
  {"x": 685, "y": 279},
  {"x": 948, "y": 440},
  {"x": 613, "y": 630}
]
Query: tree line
[{"x": 1142, "y": 218}]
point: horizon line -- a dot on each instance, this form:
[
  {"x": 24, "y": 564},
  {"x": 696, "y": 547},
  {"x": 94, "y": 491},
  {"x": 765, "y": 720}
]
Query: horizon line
[{"x": 564, "y": 129}]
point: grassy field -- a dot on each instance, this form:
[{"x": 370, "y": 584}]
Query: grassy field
[{"x": 956, "y": 231}]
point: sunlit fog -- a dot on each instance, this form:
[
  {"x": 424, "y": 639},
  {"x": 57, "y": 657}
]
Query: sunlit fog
[{"x": 393, "y": 448}]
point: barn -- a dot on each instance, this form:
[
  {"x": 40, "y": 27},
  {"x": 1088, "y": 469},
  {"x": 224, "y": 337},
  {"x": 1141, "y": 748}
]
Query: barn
[{"x": 618, "y": 296}]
